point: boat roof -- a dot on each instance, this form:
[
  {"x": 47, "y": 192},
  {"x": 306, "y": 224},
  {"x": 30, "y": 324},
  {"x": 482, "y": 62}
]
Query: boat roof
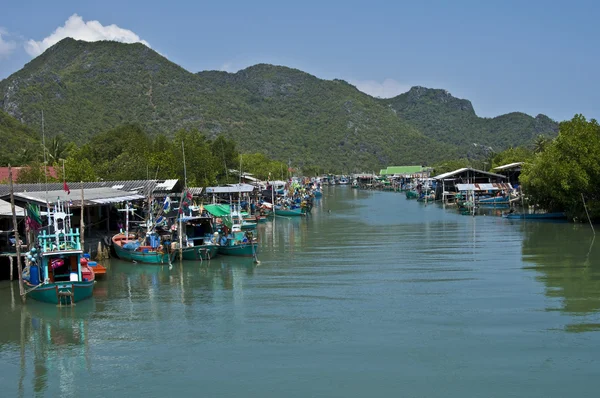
[{"x": 465, "y": 169}]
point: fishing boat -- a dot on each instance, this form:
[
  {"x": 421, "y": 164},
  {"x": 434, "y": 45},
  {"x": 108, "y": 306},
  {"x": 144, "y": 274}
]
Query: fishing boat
[
  {"x": 412, "y": 194},
  {"x": 199, "y": 242},
  {"x": 55, "y": 273},
  {"x": 535, "y": 216},
  {"x": 297, "y": 212},
  {"x": 129, "y": 248},
  {"x": 99, "y": 269},
  {"x": 238, "y": 243},
  {"x": 494, "y": 200}
]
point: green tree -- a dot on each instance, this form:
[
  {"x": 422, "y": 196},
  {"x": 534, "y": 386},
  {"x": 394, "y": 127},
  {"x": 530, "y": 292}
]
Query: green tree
[
  {"x": 568, "y": 168},
  {"x": 33, "y": 173}
]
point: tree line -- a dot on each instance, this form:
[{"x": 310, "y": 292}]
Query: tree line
[
  {"x": 559, "y": 174},
  {"x": 128, "y": 152}
]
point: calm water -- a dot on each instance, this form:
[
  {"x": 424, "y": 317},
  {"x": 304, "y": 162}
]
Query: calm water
[{"x": 372, "y": 295}]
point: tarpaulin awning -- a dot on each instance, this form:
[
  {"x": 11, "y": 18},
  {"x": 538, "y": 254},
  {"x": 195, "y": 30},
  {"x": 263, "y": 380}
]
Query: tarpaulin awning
[
  {"x": 218, "y": 210},
  {"x": 484, "y": 187}
]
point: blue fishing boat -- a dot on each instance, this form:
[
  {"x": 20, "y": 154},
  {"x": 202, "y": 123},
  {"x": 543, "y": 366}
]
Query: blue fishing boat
[{"x": 535, "y": 216}]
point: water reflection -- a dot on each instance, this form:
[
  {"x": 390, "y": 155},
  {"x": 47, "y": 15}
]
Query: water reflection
[
  {"x": 568, "y": 261},
  {"x": 53, "y": 347}
]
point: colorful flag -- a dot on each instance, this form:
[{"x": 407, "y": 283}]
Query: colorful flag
[
  {"x": 34, "y": 220},
  {"x": 66, "y": 188},
  {"x": 167, "y": 205}
]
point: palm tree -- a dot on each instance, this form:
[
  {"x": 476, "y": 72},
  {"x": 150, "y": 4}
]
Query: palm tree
[{"x": 58, "y": 149}]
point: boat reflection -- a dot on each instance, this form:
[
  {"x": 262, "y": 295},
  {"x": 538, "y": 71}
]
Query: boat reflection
[{"x": 55, "y": 348}]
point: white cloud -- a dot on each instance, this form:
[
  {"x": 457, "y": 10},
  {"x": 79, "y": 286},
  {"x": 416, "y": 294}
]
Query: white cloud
[
  {"x": 387, "y": 89},
  {"x": 77, "y": 28},
  {"x": 6, "y": 46},
  {"x": 227, "y": 67}
]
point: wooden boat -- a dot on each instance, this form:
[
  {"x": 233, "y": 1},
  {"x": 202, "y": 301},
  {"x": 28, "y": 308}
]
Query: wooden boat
[
  {"x": 130, "y": 249},
  {"x": 412, "y": 194},
  {"x": 238, "y": 243},
  {"x": 426, "y": 198},
  {"x": 55, "y": 273},
  {"x": 289, "y": 212},
  {"x": 535, "y": 216},
  {"x": 99, "y": 269},
  {"x": 200, "y": 252},
  {"x": 494, "y": 200}
]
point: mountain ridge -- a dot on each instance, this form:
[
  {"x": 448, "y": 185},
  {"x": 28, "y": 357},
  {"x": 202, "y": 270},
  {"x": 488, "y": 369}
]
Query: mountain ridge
[{"x": 86, "y": 88}]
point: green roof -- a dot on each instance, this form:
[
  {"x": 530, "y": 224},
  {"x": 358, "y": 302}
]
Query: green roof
[{"x": 401, "y": 170}]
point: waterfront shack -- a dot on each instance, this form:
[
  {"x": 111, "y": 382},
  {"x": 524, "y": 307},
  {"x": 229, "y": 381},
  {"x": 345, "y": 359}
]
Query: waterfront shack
[
  {"x": 405, "y": 177},
  {"x": 447, "y": 184},
  {"x": 8, "y": 243},
  {"x": 511, "y": 171}
]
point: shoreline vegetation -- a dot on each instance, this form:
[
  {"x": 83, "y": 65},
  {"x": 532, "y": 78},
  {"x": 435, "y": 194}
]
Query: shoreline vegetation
[{"x": 559, "y": 175}]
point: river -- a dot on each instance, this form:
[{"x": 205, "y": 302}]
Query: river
[{"x": 372, "y": 295}]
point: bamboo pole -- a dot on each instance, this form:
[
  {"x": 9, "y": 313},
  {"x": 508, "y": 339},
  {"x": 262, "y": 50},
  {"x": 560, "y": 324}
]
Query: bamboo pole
[
  {"x": 17, "y": 239},
  {"x": 588, "y": 214},
  {"x": 82, "y": 222}
]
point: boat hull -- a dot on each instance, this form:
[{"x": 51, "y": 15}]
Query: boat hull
[
  {"x": 202, "y": 252},
  {"x": 243, "y": 250},
  {"x": 49, "y": 293},
  {"x": 148, "y": 257},
  {"x": 540, "y": 216},
  {"x": 289, "y": 213}
]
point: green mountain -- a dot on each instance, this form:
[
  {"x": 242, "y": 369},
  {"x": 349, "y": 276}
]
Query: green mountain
[
  {"x": 19, "y": 142},
  {"x": 451, "y": 120},
  {"x": 86, "y": 88}
]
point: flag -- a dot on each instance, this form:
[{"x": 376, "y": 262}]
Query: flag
[
  {"x": 167, "y": 205},
  {"x": 66, "y": 188},
  {"x": 34, "y": 220}
]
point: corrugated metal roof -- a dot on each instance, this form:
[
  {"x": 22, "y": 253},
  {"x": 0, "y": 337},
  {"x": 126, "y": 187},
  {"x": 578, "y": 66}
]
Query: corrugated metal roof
[
  {"x": 465, "y": 169},
  {"x": 5, "y": 209},
  {"x": 195, "y": 191},
  {"x": 143, "y": 187},
  {"x": 232, "y": 188},
  {"x": 508, "y": 166},
  {"x": 501, "y": 186},
  {"x": 92, "y": 196},
  {"x": 165, "y": 185}
]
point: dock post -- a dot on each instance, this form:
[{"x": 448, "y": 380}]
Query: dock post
[
  {"x": 17, "y": 239},
  {"x": 10, "y": 259}
]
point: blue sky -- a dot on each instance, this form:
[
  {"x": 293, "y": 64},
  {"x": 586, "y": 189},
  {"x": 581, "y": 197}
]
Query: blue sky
[{"x": 530, "y": 56}]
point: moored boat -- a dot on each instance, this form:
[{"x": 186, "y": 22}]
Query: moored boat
[
  {"x": 238, "y": 243},
  {"x": 55, "y": 273},
  {"x": 289, "y": 212},
  {"x": 130, "y": 249},
  {"x": 535, "y": 216}
]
